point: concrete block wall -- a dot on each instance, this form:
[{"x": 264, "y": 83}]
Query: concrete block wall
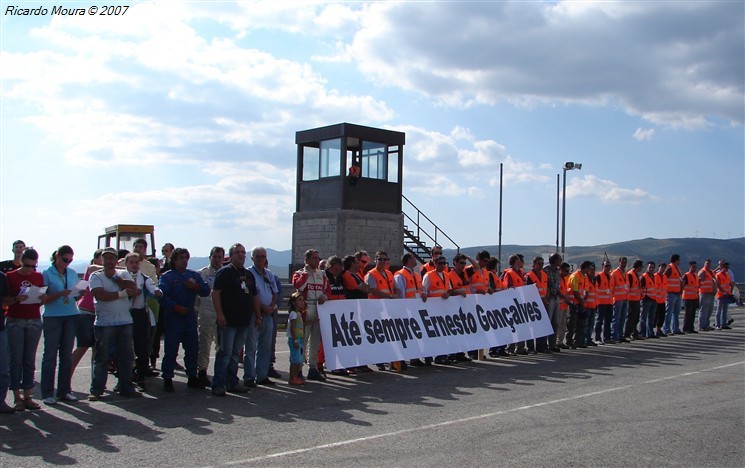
[{"x": 343, "y": 232}]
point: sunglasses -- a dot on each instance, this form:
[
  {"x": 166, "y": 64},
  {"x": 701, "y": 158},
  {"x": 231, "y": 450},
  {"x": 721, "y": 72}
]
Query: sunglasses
[
  {"x": 66, "y": 260},
  {"x": 442, "y": 263},
  {"x": 24, "y": 265},
  {"x": 382, "y": 259}
]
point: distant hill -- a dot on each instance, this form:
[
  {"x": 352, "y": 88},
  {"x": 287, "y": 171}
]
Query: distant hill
[{"x": 657, "y": 250}]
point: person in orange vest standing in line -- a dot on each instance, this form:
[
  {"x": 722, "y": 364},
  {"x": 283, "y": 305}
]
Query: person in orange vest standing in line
[
  {"x": 409, "y": 285},
  {"x": 649, "y": 302},
  {"x": 540, "y": 278},
  {"x": 660, "y": 284},
  {"x": 431, "y": 265},
  {"x": 563, "y": 304},
  {"x": 690, "y": 298},
  {"x": 382, "y": 286},
  {"x": 436, "y": 283},
  {"x": 673, "y": 302},
  {"x": 577, "y": 295},
  {"x": 461, "y": 285},
  {"x": 514, "y": 278},
  {"x": 620, "y": 290},
  {"x": 634, "y": 299},
  {"x": 591, "y": 303},
  {"x": 724, "y": 295},
  {"x": 604, "y": 306},
  {"x": 706, "y": 289}
]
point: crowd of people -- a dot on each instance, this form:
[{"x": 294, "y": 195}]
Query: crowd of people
[{"x": 129, "y": 302}]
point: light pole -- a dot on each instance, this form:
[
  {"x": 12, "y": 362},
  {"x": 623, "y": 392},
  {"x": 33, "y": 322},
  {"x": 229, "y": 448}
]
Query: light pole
[{"x": 568, "y": 166}]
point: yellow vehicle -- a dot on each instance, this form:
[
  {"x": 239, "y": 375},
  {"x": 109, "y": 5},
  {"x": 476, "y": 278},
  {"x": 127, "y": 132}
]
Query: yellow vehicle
[{"x": 123, "y": 236}]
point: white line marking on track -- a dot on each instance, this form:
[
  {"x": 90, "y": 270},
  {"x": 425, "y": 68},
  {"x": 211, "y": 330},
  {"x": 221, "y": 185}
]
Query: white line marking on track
[{"x": 468, "y": 419}]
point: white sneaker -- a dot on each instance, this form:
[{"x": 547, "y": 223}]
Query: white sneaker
[
  {"x": 50, "y": 400},
  {"x": 70, "y": 397}
]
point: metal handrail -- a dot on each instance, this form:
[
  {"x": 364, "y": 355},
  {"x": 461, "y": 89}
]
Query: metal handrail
[{"x": 420, "y": 230}]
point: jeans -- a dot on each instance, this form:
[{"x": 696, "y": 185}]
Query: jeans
[
  {"x": 249, "y": 354},
  {"x": 553, "y": 314},
  {"x": 722, "y": 312},
  {"x": 590, "y": 323},
  {"x": 207, "y": 336},
  {"x": 59, "y": 339},
  {"x": 707, "y": 307},
  {"x": 647, "y": 319},
  {"x": 603, "y": 322},
  {"x": 275, "y": 324},
  {"x": 4, "y": 361},
  {"x": 141, "y": 339},
  {"x": 23, "y": 339},
  {"x": 620, "y": 310},
  {"x": 178, "y": 329},
  {"x": 633, "y": 319},
  {"x": 264, "y": 347},
  {"x": 672, "y": 313},
  {"x": 120, "y": 337},
  {"x": 230, "y": 341}
]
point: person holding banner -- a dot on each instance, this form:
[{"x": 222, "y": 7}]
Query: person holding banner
[
  {"x": 461, "y": 286},
  {"x": 382, "y": 286},
  {"x": 409, "y": 285},
  {"x": 539, "y": 277},
  {"x": 312, "y": 283},
  {"x": 436, "y": 283},
  {"x": 514, "y": 278},
  {"x": 352, "y": 278}
]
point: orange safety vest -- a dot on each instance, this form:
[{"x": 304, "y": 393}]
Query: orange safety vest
[
  {"x": 516, "y": 279},
  {"x": 635, "y": 291},
  {"x": 493, "y": 278},
  {"x": 591, "y": 299},
  {"x": 603, "y": 289},
  {"x": 674, "y": 283},
  {"x": 437, "y": 285},
  {"x": 706, "y": 285},
  {"x": 456, "y": 282},
  {"x": 619, "y": 285},
  {"x": 660, "y": 282},
  {"x": 540, "y": 280},
  {"x": 565, "y": 288},
  {"x": 649, "y": 289},
  {"x": 581, "y": 286},
  {"x": 384, "y": 284},
  {"x": 478, "y": 280},
  {"x": 725, "y": 282},
  {"x": 413, "y": 283},
  {"x": 690, "y": 289}
]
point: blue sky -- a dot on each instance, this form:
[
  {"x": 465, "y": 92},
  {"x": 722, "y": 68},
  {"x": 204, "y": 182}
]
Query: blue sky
[{"x": 183, "y": 115}]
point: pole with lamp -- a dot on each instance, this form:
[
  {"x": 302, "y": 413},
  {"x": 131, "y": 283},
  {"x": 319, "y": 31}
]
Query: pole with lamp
[{"x": 568, "y": 166}]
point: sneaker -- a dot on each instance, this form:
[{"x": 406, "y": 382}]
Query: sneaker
[
  {"x": 726, "y": 327},
  {"x": 95, "y": 397},
  {"x": 273, "y": 373},
  {"x": 238, "y": 388},
  {"x": 30, "y": 404},
  {"x": 130, "y": 394},
  {"x": 194, "y": 382},
  {"x": 168, "y": 385},
  {"x": 6, "y": 408},
  {"x": 416, "y": 363},
  {"x": 730, "y": 321},
  {"x": 250, "y": 383},
  {"x": 313, "y": 374},
  {"x": 50, "y": 400},
  {"x": 70, "y": 397},
  {"x": 219, "y": 391},
  {"x": 265, "y": 381}
]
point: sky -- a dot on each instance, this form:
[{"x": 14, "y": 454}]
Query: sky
[{"x": 183, "y": 115}]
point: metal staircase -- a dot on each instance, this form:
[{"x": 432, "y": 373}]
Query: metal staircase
[{"x": 421, "y": 233}]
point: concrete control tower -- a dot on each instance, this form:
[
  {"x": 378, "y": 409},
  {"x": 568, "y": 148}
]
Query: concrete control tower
[{"x": 349, "y": 188}]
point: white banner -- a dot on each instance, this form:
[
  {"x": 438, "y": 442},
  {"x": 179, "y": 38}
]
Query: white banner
[{"x": 368, "y": 331}]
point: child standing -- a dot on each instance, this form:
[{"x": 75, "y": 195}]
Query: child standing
[{"x": 295, "y": 327}]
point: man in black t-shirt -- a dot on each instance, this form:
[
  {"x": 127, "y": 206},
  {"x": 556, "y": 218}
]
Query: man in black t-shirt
[
  {"x": 9, "y": 265},
  {"x": 235, "y": 299}
]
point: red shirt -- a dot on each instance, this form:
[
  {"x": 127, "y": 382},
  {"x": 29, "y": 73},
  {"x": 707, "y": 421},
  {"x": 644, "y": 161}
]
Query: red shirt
[{"x": 15, "y": 282}]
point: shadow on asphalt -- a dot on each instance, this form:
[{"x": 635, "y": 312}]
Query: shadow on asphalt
[{"x": 47, "y": 433}]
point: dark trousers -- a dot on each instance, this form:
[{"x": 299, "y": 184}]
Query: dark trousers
[
  {"x": 632, "y": 321},
  {"x": 180, "y": 329},
  {"x": 576, "y": 325},
  {"x": 141, "y": 339},
  {"x": 690, "y": 314},
  {"x": 157, "y": 335}
]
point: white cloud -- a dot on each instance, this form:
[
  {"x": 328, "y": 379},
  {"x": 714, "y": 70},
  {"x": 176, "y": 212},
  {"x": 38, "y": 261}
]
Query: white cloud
[
  {"x": 605, "y": 190},
  {"x": 672, "y": 63},
  {"x": 642, "y": 134}
]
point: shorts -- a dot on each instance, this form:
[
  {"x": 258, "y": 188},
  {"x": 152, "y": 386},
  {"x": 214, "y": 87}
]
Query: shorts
[
  {"x": 85, "y": 332},
  {"x": 296, "y": 354}
]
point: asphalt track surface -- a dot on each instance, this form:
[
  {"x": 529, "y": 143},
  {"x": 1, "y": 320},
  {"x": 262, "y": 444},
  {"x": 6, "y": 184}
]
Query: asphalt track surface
[{"x": 676, "y": 401}]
